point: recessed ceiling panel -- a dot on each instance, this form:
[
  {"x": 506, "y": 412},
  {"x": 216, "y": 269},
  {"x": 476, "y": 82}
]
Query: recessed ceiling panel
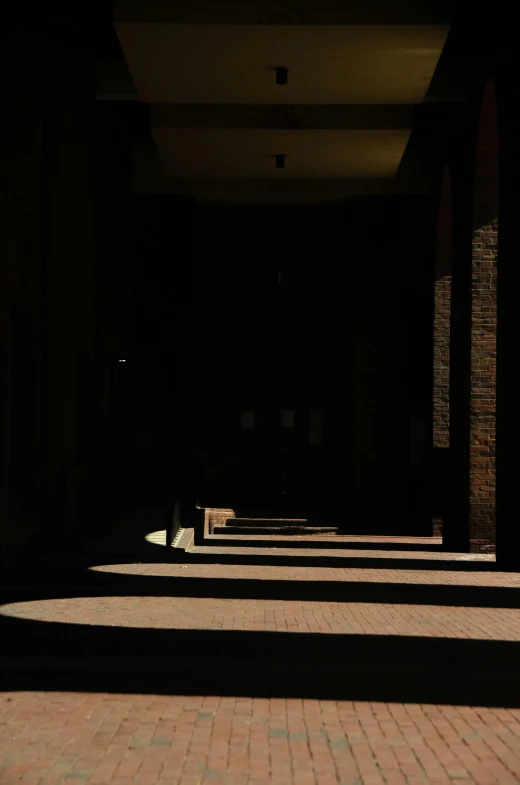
[
  {"x": 203, "y": 63},
  {"x": 192, "y": 152}
]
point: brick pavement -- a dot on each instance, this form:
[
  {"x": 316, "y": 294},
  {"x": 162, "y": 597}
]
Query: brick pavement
[
  {"x": 321, "y": 575},
  {"x": 257, "y": 545},
  {"x": 340, "y": 618},
  {"x": 146, "y": 739},
  {"x": 105, "y": 736},
  {"x": 206, "y": 612}
]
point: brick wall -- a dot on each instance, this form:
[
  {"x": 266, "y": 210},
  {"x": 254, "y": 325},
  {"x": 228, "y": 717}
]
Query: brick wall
[
  {"x": 442, "y": 305},
  {"x": 214, "y": 516},
  {"x": 483, "y": 337},
  {"x": 441, "y": 352},
  {"x": 441, "y": 367},
  {"x": 483, "y": 381}
]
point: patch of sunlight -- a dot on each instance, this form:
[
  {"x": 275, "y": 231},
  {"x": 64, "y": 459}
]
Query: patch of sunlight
[
  {"x": 241, "y": 614},
  {"x": 138, "y": 568},
  {"x": 156, "y": 538}
]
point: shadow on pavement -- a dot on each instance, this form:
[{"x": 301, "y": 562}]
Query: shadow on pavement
[
  {"x": 380, "y": 562},
  {"x": 305, "y": 665},
  {"x": 106, "y": 584}
]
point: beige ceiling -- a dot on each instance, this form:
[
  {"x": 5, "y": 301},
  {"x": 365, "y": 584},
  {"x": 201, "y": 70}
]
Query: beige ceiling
[
  {"x": 196, "y": 152},
  {"x": 196, "y": 76},
  {"x": 328, "y": 64}
]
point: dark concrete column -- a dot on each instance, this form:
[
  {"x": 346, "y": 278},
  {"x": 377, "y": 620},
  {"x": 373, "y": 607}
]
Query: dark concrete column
[
  {"x": 70, "y": 249},
  {"x": 20, "y": 286}
]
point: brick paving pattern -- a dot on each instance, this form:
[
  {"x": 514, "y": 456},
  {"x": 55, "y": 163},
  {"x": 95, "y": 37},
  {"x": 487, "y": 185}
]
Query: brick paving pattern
[
  {"x": 69, "y": 738},
  {"x": 246, "y": 548},
  {"x": 318, "y": 574},
  {"x": 276, "y": 615},
  {"x": 109, "y": 738}
]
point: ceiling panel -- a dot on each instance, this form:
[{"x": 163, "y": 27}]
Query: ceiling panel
[
  {"x": 203, "y": 63},
  {"x": 192, "y": 152}
]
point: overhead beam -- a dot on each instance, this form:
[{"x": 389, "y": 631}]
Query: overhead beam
[
  {"x": 319, "y": 117},
  {"x": 290, "y": 12},
  {"x": 294, "y": 185},
  {"x": 242, "y": 187},
  {"x": 268, "y": 200}
]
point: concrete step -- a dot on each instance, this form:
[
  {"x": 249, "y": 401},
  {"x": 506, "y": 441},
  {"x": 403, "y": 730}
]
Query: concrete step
[
  {"x": 275, "y": 521},
  {"x": 215, "y": 551},
  {"x": 290, "y": 531}
]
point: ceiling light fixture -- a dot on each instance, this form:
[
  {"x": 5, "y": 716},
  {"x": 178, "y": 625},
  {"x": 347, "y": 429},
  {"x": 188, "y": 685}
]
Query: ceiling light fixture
[{"x": 282, "y": 74}]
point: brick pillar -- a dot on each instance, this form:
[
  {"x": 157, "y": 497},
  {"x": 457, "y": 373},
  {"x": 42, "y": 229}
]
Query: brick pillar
[
  {"x": 441, "y": 351},
  {"x": 455, "y": 521},
  {"x": 442, "y": 308},
  {"x": 471, "y": 524},
  {"x": 508, "y": 323},
  {"x": 483, "y": 336}
]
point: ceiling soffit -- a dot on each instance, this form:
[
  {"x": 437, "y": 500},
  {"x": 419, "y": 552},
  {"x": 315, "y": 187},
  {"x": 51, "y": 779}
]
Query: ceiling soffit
[{"x": 218, "y": 115}]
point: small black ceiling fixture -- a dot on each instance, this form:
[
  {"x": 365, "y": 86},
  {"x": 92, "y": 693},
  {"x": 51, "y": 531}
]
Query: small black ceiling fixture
[
  {"x": 282, "y": 74},
  {"x": 280, "y": 161}
]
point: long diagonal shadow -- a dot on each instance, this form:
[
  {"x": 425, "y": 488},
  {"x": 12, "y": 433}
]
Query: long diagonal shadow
[
  {"x": 347, "y": 667},
  {"x": 274, "y": 559},
  {"x": 63, "y": 573},
  {"x": 117, "y": 584}
]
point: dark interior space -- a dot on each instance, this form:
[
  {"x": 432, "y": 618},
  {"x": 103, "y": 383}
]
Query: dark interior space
[{"x": 241, "y": 336}]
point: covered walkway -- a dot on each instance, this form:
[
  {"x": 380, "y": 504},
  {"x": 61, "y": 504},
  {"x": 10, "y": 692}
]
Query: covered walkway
[{"x": 259, "y": 256}]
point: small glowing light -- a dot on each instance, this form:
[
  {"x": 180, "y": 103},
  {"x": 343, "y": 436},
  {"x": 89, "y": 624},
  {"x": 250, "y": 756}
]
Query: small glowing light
[{"x": 122, "y": 361}]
